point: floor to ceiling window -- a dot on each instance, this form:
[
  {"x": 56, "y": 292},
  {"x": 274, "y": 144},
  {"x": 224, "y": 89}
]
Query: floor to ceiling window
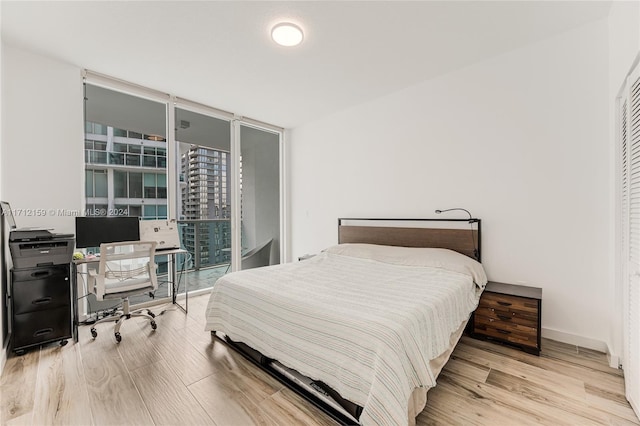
[
  {"x": 125, "y": 163},
  {"x": 218, "y": 175}
]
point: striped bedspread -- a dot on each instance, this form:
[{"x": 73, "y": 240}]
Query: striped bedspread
[{"x": 366, "y": 328}]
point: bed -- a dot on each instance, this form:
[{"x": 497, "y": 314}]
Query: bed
[{"x": 363, "y": 328}]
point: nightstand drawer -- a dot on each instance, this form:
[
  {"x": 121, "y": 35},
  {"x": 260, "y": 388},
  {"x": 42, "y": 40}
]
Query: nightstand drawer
[
  {"x": 512, "y": 303},
  {"x": 501, "y": 314},
  {"x": 525, "y": 330},
  {"x": 501, "y": 333}
]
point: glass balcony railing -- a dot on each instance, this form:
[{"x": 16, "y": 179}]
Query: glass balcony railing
[
  {"x": 207, "y": 240},
  {"x": 125, "y": 159}
]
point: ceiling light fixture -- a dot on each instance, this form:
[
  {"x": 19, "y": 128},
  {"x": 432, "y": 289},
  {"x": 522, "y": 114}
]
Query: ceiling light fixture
[{"x": 287, "y": 34}]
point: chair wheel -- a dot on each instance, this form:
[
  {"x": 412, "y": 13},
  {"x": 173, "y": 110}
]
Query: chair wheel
[
  {"x": 154, "y": 325},
  {"x": 151, "y": 314},
  {"x": 118, "y": 337},
  {"x": 94, "y": 333}
]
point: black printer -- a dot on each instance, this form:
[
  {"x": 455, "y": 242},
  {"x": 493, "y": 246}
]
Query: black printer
[{"x": 32, "y": 248}]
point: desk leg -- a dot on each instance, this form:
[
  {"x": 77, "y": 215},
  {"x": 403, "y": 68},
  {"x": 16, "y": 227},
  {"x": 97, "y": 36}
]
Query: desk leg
[
  {"x": 174, "y": 285},
  {"x": 74, "y": 300}
]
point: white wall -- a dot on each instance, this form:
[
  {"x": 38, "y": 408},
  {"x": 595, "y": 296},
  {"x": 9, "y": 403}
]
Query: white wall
[
  {"x": 521, "y": 140},
  {"x": 624, "y": 46},
  {"x": 41, "y": 167},
  {"x": 42, "y": 138}
]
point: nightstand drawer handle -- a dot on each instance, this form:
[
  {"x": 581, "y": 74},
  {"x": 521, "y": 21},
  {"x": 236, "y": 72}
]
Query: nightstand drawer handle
[
  {"x": 504, "y": 303},
  {"x": 503, "y": 331},
  {"x": 504, "y": 317}
]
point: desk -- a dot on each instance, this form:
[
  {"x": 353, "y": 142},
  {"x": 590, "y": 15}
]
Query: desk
[{"x": 174, "y": 282}]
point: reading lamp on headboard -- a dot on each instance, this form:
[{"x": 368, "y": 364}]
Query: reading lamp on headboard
[{"x": 472, "y": 220}]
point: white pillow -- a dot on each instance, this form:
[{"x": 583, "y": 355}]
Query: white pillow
[{"x": 415, "y": 256}]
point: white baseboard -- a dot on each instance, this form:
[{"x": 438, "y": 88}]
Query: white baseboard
[
  {"x": 614, "y": 360},
  {"x": 584, "y": 342}
]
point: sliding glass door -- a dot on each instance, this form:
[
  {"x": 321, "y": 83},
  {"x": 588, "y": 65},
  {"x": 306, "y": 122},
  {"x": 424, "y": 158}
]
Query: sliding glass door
[
  {"x": 204, "y": 194},
  {"x": 260, "y": 197}
]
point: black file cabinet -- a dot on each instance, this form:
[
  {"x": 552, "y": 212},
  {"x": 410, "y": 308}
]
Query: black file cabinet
[{"x": 40, "y": 306}]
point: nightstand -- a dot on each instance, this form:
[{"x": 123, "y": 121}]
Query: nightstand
[{"x": 509, "y": 314}]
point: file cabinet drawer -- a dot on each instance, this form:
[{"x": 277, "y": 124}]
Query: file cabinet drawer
[
  {"x": 40, "y": 327},
  {"x": 41, "y": 294}
]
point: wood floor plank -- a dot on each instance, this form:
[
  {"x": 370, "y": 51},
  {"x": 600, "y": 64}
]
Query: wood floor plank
[
  {"x": 552, "y": 380},
  {"x": 169, "y": 402},
  {"x": 287, "y": 408},
  {"x": 612, "y": 396},
  {"x": 18, "y": 385},
  {"x": 616, "y": 410},
  {"x": 579, "y": 356},
  {"x": 136, "y": 349},
  {"x": 534, "y": 392},
  {"x": 445, "y": 406},
  {"x": 503, "y": 401},
  {"x": 226, "y": 404},
  {"x": 184, "y": 359},
  {"x": 607, "y": 381},
  {"x": 197, "y": 308},
  {"x": 61, "y": 391},
  {"x": 113, "y": 396},
  {"x": 467, "y": 369},
  {"x": 23, "y": 420},
  {"x": 249, "y": 379},
  {"x": 197, "y": 337},
  {"x": 173, "y": 317}
]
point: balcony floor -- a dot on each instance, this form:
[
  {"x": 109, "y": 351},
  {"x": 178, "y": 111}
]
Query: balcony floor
[{"x": 196, "y": 280}]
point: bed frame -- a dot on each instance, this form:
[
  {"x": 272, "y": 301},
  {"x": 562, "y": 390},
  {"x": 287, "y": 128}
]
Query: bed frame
[
  {"x": 465, "y": 240},
  {"x": 461, "y": 238}
]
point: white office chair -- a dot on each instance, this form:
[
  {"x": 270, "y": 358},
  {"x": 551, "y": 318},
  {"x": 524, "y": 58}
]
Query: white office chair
[{"x": 125, "y": 269}]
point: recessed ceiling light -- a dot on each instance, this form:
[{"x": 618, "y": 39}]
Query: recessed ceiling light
[{"x": 287, "y": 34}]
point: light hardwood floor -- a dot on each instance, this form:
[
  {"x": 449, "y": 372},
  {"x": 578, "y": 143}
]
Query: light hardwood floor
[{"x": 178, "y": 375}]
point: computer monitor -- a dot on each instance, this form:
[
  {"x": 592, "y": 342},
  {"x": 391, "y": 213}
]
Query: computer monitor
[{"x": 93, "y": 231}]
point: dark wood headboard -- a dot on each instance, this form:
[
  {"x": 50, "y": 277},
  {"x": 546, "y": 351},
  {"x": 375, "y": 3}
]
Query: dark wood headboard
[{"x": 463, "y": 239}]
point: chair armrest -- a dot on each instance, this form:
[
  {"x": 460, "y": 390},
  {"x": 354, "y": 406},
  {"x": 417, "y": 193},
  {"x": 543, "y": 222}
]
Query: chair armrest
[
  {"x": 152, "y": 267},
  {"x": 96, "y": 284}
]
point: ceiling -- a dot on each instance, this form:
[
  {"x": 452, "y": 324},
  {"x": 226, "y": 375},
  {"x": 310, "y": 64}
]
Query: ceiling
[{"x": 220, "y": 54}]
